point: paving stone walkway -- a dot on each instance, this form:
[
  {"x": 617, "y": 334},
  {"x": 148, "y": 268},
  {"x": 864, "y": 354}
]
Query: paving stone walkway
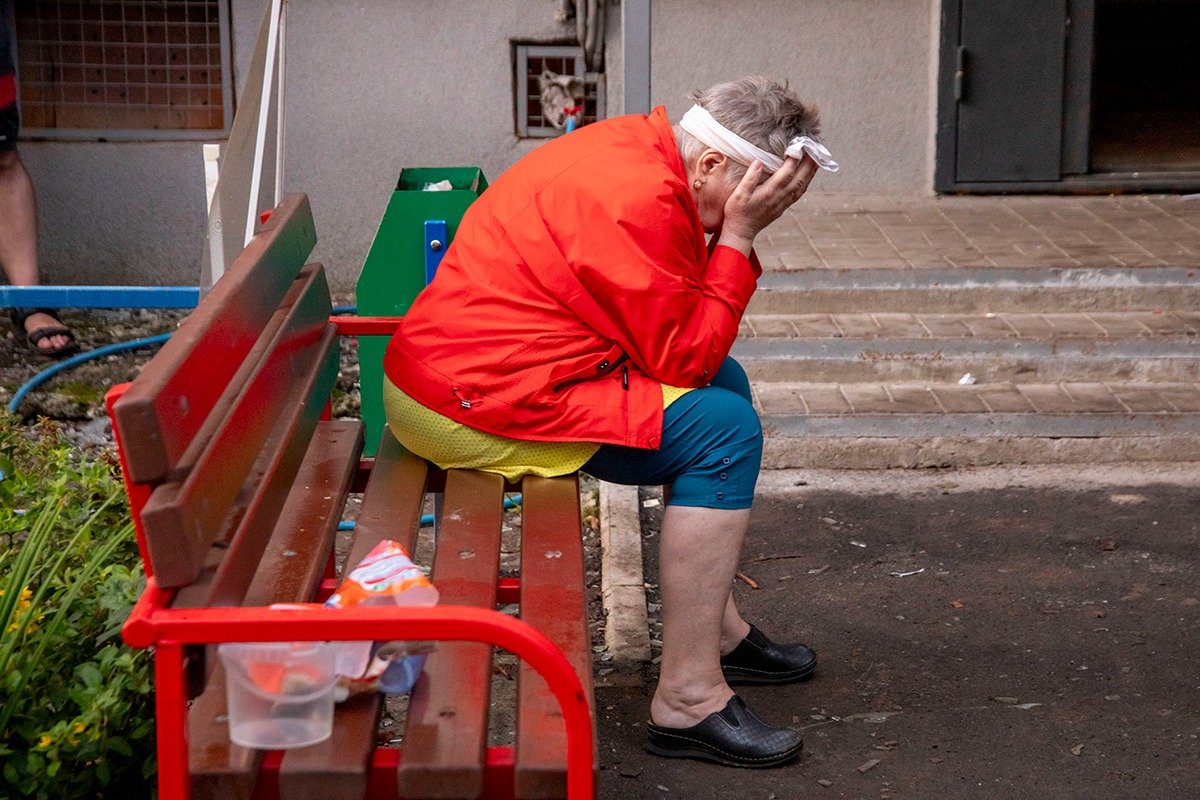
[
  {"x": 1075, "y": 319},
  {"x": 882, "y": 231}
]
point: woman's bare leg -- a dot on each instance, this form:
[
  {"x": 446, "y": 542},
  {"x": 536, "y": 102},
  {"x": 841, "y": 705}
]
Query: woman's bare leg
[
  {"x": 698, "y": 556},
  {"x": 733, "y": 628}
]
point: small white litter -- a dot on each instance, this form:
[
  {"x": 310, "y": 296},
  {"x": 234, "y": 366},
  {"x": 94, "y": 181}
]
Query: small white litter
[{"x": 967, "y": 380}]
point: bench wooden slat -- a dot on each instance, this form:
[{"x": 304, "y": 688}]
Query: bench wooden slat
[
  {"x": 183, "y": 519},
  {"x": 445, "y": 741},
  {"x": 553, "y": 600},
  {"x": 391, "y": 509},
  {"x": 306, "y": 528},
  {"x": 246, "y": 547},
  {"x": 393, "y": 501},
  {"x": 173, "y": 395},
  {"x": 294, "y": 560}
]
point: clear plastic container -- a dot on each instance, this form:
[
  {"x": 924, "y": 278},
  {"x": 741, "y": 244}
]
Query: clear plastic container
[{"x": 280, "y": 694}]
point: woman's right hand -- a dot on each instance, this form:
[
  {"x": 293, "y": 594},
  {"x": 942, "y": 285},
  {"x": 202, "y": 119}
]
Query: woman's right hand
[{"x": 756, "y": 203}]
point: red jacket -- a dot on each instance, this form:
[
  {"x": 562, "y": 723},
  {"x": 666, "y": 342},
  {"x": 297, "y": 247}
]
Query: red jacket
[{"x": 575, "y": 285}]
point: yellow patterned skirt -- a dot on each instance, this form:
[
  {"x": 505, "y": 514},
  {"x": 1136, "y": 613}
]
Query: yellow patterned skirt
[{"x": 452, "y": 445}]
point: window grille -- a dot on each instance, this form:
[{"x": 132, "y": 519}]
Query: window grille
[
  {"x": 124, "y": 69},
  {"x": 530, "y": 61}
]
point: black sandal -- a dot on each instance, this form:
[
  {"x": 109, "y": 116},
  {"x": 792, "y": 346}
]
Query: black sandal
[
  {"x": 733, "y": 736},
  {"x": 35, "y": 337}
]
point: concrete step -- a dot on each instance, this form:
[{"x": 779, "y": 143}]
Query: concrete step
[
  {"x": 859, "y": 368},
  {"x": 1018, "y": 358},
  {"x": 981, "y": 325},
  {"x": 958, "y": 291},
  {"x": 910, "y": 424}
]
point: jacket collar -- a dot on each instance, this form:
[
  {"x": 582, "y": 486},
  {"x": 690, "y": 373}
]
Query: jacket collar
[{"x": 660, "y": 123}]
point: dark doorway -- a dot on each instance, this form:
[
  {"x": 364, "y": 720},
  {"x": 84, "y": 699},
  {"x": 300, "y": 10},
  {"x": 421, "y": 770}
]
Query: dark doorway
[
  {"x": 1069, "y": 96},
  {"x": 1146, "y": 86}
]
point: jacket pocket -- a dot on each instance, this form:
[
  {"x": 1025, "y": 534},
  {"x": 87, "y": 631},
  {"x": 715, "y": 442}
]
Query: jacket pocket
[{"x": 612, "y": 361}]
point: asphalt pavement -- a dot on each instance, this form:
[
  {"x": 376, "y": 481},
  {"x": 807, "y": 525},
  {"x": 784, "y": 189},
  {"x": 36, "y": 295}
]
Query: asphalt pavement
[{"x": 994, "y": 633}]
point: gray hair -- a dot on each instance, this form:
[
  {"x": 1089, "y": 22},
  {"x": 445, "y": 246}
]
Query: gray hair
[{"x": 760, "y": 110}]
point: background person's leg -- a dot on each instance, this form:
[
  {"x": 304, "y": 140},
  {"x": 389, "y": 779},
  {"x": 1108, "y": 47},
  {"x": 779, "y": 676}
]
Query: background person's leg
[
  {"x": 18, "y": 228},
  {"x": 18, "y": 221}
]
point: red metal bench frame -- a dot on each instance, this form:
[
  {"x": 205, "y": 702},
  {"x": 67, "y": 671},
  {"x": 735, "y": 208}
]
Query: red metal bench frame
[{"x": 153, "y": 623}]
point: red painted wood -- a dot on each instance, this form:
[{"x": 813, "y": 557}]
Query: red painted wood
[
  {"x": 137, "y": 493},
  {"x": 508, "y": 590},
  {"x": 445, "y": 740},
  {"x": 366, "y": 326},
  {"x": 291, "y": 381},
  {"x": 173, "y": 395},
  {"x": 553, "y": 601}
]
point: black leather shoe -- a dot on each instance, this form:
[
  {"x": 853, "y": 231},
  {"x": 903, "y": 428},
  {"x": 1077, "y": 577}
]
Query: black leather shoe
[
  {"x": 733, "y": 736},
  {"x": 757, "y": 659}
]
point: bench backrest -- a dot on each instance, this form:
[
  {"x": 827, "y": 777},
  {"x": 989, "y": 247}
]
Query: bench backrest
[{"x": 219, "y": 420}]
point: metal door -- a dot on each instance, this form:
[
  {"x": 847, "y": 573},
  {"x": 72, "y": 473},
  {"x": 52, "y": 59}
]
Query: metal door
[{"x": 1008, "y": 83}]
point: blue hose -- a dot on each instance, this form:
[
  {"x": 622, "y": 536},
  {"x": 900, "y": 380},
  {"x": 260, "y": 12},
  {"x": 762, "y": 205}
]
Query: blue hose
[
  {"x": 427, "y": 519},
  {"x": 79, "y": 358},
  {"x": 107, "y": 350}
]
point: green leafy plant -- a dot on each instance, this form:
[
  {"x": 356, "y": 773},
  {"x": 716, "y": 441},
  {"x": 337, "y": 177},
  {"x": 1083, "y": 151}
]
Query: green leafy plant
[{"x": 76, "y": 708}]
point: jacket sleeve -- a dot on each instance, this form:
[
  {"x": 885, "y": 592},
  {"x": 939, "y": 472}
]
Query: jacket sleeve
[{"x": 646, "y": 283}]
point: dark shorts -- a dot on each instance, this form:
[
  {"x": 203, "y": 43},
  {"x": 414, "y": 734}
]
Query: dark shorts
[
  {"x": 711, "y": 447},
  {"x": 10, "y": 121}
]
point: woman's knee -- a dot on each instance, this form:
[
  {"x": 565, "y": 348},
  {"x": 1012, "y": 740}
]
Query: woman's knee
[
  {"x": 742, "y": 421},
  {"x": 727, "y": 455},
  {"x": 732, "y": 376}
]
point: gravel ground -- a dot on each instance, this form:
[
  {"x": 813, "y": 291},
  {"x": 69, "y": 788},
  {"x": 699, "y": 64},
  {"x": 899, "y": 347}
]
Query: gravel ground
[{"x": 75, "y": 397}]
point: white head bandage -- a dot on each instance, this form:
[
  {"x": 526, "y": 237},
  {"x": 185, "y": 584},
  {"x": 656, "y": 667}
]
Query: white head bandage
[{"x": 701, "y": 124}]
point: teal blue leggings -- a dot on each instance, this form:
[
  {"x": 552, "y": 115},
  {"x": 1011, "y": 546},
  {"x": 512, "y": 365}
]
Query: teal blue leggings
[{"x": 711, "y": 447}]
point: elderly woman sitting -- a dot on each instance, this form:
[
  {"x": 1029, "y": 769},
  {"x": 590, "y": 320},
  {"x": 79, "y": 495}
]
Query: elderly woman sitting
[{"x": 580, "y": 320}]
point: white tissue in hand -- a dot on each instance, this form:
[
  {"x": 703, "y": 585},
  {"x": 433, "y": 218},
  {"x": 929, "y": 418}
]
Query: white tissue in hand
[{"x": 819, "y": 152}]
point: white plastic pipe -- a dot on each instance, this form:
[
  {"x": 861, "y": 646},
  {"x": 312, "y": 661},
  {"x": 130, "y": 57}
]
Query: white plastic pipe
[
  {"x": 279, "y": 103},
  {"x": 263, "y": 116}
]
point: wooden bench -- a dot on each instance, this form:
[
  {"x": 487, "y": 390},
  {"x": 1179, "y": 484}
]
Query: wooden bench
[{"x": 238, "y": 479}]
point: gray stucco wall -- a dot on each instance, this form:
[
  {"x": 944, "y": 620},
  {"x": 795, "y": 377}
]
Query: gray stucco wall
[
  {"x": 118, "y": 213},
  {"x": 377, "y": 85},
  {"x": 864, "y": 63}
]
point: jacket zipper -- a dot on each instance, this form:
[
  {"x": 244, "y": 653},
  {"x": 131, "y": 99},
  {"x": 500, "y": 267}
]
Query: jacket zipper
[{"x": 603, "y": 368}]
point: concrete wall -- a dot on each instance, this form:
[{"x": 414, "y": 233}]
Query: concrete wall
[
  {"x": 376, "y": 85},
  {"x": 865, "y": 63},
  {"x": 118, "y": 213}
]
